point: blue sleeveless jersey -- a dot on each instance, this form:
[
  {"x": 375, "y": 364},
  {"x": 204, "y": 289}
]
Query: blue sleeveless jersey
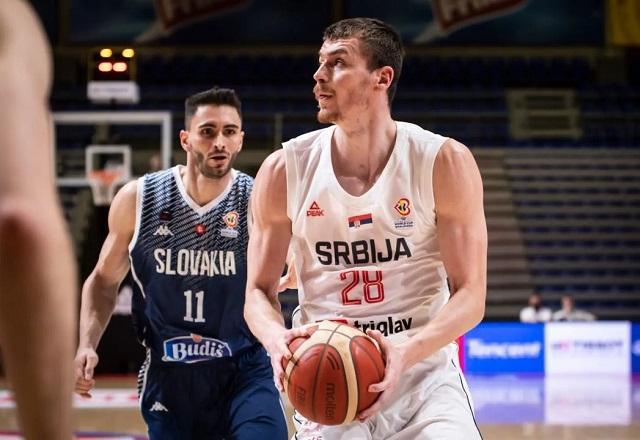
[{"x": 189, "y": 267}]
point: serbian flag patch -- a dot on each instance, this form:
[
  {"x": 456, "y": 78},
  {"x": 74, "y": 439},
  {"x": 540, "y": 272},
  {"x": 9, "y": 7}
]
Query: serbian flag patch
[{"x": 360, "y": 220}]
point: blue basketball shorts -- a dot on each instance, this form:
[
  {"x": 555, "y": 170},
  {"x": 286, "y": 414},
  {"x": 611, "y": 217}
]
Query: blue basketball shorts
[{"x": 229, "y": 398}]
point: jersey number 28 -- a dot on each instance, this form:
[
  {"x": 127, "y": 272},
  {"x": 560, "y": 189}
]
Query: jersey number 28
[{"x": 372, "y": 287}]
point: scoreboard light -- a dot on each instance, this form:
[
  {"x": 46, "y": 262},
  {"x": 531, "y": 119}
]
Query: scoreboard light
[
  {"x": 120, "y": 67},
  {"x": 111, "y": 75},
  {"x": 112, "y": 64},
  {"x": 105, "y": 66}
]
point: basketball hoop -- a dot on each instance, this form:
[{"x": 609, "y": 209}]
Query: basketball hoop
[{"x": 103, "y": 185}]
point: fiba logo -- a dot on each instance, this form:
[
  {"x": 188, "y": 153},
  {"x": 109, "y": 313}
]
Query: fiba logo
[
  {"x": 402, "y": 206},
  {"x": 231, "y": 219}
]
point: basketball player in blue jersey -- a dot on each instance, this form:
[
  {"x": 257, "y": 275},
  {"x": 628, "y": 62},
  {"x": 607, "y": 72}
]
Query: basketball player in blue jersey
[
  {"x": 387, "y": 227},
  {"x": 184, "y": 232}
]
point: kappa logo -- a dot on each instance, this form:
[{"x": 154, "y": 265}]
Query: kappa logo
[
  {"x": 163, "y": 230},
  {"x": 315, "y": 210},
  {"x": 157, "y": 406}
]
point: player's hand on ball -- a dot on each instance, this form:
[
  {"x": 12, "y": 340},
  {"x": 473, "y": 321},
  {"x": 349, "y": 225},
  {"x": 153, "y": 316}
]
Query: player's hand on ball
[
  {"x": 278, "y": 349},
  {"x": 393, "y": 370},
  {"x": 85, "y": 362}
]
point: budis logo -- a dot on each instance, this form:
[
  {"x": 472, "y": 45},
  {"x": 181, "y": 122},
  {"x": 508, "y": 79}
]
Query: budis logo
[{"x": 194, "y": 348}]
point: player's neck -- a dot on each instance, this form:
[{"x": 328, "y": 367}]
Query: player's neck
[
  {"x": 201, "y": 189},
  {"x": 360, "y": 152},
  {"x": 363, "y": 144}
]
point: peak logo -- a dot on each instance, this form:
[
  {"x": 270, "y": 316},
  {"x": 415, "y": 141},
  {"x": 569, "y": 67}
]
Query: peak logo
[
  {"x": 315, "y": 210},
  {"x": 194, "y": 348}
]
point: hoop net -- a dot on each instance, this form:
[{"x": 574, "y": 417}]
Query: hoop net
[{"x": 103, "y": 185}]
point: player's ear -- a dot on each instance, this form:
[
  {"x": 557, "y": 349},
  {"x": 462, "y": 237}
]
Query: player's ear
[
  {"x": 385, "y": 76},
  {"x": 241, "y": 140},
  {"x": 184, "y": 137}
]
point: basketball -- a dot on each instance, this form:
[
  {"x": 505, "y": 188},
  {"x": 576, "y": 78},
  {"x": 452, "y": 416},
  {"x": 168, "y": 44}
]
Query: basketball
[{"x": 328, "y": 376}]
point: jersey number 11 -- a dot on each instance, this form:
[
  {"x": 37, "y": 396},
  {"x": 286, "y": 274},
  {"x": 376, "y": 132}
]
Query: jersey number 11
[{"x": 188, "y": 314}]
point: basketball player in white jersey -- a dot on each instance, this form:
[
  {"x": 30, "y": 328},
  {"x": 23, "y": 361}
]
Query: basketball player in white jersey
[
  {"x": 37, "y": 269},
  {"x": 387, "y": 226}
]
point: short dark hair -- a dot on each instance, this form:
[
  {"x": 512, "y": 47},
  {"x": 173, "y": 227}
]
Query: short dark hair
[
  {"x": 214, "y": 96},
  {"x": 381, "y": 44}
]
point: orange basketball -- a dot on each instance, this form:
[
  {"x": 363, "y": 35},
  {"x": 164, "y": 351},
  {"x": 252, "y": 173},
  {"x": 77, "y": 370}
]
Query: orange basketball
[{"x": 328, "y": 376}]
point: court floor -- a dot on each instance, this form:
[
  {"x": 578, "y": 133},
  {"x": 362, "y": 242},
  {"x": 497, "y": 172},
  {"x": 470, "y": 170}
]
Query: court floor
[{"x": 508, "y": 407}]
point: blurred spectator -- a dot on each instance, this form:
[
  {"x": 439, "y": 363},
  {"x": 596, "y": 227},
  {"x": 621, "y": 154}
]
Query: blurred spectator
[
  {"x": 155, "y": 163},
  {"x": 569, "y": 313},
  {"x": 535, "y": 312}
]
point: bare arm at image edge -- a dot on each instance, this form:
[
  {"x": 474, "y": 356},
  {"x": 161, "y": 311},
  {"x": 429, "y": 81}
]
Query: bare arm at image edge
[{"x": 37, "y": 269}]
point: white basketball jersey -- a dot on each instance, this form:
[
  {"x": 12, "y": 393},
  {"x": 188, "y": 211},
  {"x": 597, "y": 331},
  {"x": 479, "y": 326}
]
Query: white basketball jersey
[{"x": 371, "y": 261}]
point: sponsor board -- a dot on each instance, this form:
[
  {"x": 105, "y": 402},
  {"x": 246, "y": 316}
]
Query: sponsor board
[
  {"x": 504, "y": 347},
  {"x": 635, "y": 348},
  {"x": 587, "y": 347}
]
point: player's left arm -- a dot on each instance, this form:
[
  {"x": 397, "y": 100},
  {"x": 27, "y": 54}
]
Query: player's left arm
[{"x": 462, "y": 236}]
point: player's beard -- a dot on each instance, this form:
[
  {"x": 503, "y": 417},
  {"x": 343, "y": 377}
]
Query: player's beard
[
  {"x": 358, "y": 100},
  {"x": 214, "y": 172},
  {"x": 327, "y": 117}
]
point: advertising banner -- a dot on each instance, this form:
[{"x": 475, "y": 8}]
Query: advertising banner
[
  {"x": 587, "y": 347},
  {"x": 623, "y": 22},
  {"x": 635, "y": 348},
  {"x": 291, "y": 22},
  {"x": 504, "y": 347}
]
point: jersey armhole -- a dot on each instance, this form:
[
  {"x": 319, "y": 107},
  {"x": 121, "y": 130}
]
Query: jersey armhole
[
  {"x": 291, "y": 173},
  {"x": 139, "y": 195},
  {"x": 426, "y": 188}
]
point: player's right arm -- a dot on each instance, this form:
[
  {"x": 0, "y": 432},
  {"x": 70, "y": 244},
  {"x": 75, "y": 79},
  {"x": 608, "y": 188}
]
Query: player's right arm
[
  {"x": 268, "y": 245},
  {"x": 100, "y": 290}
]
